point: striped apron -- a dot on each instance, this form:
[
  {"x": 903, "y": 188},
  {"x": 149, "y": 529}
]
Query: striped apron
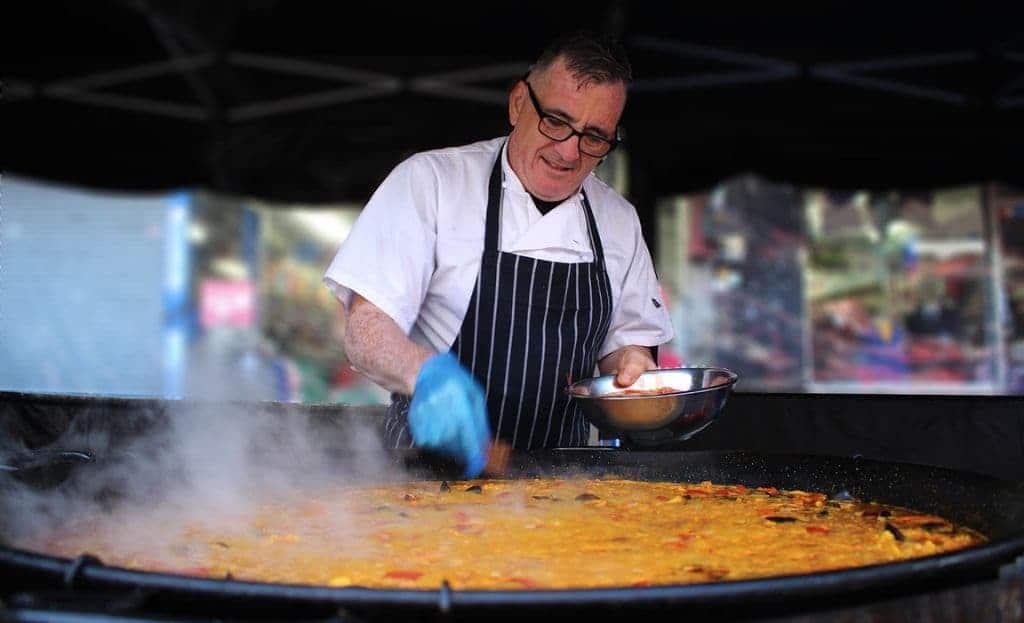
[{"x": 531, "y": 327}]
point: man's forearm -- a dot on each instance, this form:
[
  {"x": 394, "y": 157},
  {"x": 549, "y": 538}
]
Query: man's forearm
[{"x": 378, "y": 348}]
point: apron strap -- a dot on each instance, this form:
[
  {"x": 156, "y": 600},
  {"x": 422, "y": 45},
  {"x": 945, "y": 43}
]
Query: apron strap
[
  {"x": 595, "y": 236},
  {"x": 494, "y": 197}
]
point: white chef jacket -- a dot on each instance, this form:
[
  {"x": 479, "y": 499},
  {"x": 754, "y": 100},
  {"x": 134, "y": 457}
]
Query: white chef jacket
[{"x": 415, "y": 249}]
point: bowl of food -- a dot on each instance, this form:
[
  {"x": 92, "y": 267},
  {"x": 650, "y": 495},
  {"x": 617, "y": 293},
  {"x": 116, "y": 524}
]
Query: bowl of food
[{"x": 662, "y": 406}]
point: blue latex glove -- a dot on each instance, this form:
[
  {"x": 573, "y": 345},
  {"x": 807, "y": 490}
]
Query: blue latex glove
[{"x": 448, "y": 412}]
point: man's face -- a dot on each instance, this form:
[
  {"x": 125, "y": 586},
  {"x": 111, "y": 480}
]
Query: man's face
[{"x": 549, "y": 169}]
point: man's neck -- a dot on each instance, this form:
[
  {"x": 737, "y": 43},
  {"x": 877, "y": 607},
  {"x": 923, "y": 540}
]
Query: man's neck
[{"x": 545, "y": 206}]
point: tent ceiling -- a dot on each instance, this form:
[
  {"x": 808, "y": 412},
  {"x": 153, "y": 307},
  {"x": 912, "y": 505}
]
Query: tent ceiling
[{"x": 289, "y": 100}]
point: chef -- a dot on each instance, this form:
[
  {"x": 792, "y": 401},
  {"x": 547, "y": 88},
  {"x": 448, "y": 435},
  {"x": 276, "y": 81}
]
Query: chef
[{"x": 480, "y": 280}]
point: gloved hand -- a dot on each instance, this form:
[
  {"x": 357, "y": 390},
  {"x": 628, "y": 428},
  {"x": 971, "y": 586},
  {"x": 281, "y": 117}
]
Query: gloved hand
[{"x": 448, "y": 412}]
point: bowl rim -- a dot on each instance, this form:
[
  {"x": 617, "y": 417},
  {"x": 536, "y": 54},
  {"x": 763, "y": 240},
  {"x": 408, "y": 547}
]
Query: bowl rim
[{"x": 733, "y": 378}]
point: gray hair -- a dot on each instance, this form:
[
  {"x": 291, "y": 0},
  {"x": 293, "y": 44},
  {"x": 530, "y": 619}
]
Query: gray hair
[{"x": 589, "y": 56}]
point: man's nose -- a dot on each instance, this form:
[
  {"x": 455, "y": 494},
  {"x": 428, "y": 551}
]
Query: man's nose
[{"x": 569, "y": 149}]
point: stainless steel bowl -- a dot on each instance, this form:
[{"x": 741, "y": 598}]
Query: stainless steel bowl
[{"x": 696, "y": 398}]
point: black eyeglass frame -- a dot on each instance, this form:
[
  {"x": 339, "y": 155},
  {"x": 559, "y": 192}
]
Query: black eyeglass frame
[{"x": 543, "y": 114}]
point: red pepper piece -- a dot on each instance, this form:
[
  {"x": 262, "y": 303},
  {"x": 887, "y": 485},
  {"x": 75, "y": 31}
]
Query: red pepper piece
[{"x": 202, "y": 571}]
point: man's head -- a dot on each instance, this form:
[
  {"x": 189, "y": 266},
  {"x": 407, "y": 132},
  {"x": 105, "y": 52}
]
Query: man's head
[{"x": 576, "y": 89}]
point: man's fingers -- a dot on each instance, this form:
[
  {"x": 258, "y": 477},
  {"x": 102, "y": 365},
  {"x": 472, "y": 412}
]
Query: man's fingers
[
  {"x": 632, "y": 365},
  {"x": 628, "y": 375}
]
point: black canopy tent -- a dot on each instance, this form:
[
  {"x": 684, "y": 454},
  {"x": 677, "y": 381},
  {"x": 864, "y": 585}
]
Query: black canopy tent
[
  {"x": 309, "y": 102},
  {"x": 316, "y": 102},
  {"x": 299, "y": 103}
]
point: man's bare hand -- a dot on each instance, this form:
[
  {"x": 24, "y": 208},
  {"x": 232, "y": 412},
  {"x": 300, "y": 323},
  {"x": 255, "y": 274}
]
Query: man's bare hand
[{"x": 627, "y": 364}]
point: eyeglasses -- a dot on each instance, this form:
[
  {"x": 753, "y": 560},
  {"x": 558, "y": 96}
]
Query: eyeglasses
[{"x": 559, "y": 130}]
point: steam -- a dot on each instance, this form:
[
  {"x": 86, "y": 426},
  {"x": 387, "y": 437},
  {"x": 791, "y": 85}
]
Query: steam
[{"x": 160, "y": 471}]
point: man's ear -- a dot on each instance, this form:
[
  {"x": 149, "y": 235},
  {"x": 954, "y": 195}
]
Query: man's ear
[{"x": 516, "y": 100}]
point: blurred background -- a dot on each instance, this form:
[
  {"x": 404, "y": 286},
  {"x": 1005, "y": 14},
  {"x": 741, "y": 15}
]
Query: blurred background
[{"x": 833, "y": 194}]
